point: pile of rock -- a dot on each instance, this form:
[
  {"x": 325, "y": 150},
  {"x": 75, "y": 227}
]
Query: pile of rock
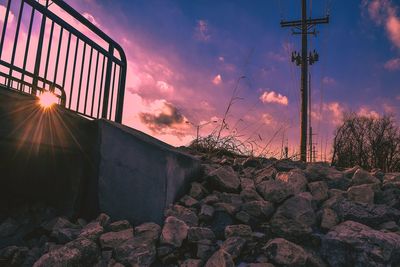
[{"x": 241, "y": 212}]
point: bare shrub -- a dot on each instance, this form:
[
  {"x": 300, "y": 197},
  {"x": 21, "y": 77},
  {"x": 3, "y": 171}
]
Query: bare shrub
[{"x": 367, "y": 142}]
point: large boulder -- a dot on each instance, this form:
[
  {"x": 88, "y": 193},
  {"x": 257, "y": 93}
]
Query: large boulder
[
  {"x": 174, "y": 232},
  {"x": 295, "y": 180},
  {"x": 294, "y": 219},
  {"x": 354, "y": 244},
  {"x": 286, "y": 253},
  {"x": 275, "y": 191},
  {"x": 369, "y": 214},
  {"x": 224, "y": 179}
]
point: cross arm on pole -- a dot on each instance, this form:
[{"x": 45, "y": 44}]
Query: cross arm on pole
[{"x": 298, "y": 23}]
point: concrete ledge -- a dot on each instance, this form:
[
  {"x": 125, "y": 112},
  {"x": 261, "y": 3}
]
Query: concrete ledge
[{"x": 139, "y": 175}]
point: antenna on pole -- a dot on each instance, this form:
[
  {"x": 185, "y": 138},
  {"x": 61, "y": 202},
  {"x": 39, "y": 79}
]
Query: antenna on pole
[{"x": 304, "y": 27}]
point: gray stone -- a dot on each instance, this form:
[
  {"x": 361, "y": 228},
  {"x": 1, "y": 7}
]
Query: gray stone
[
  {"x": 234, "y": 246},
  {"x": 224, "y": 179},
  {"x": 265, "y": 175},
  {"x": 361, "y": 193},
  {"x": 191, "y": 263},
  {"x": 189, "y": 201},
  {"x": 119, "y": 225},
  {"x": 80, "y": 252},
  {"x": 206, "y": 212},
  {"x": 329, "y": 219},
  {"x": 352, "y": 243},
  {"x": 243, "y": 217},
  {"x": 319, "y": 190},
  {"x": 241, "y": 230},
  {"x": 260, "y": 209},
  {"x": 295, "y": 179},
  {"x": 196, "y": 234},
  {"x": 205, "y": 248},
  {"x": 135, "y": 252},
  {"x": 246, "y": 183},
  {"x": 174, "y": 232},
  {"x": 294, "y": 218},
  {"x": 322, "y": 172},
  {"x": 149, "y": 232},
  {"x": 250, "y": 195},
  {"x": 103, "y": 219},
  {"x": 363, "y": 177},
  {"x": 274, "y": 191},
  {"x": 92, "y": 231},
  {"x": 112, "y": 240},
  {"x": 183, "y": 214},
  {"x": 197, "y": 191},
  {"x": 369, "y": 214},
  {"x": 220, "y": 258},
  {"x": 286, "y": 253}
]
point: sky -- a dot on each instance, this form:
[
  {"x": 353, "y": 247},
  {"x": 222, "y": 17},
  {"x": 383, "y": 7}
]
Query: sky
[{"x": 188, "y": 59}]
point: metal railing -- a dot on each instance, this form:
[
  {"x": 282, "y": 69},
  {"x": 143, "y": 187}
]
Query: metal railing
[{"x": 49, "y": 46}]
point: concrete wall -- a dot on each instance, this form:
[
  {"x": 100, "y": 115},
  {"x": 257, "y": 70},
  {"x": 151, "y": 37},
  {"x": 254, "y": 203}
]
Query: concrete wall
[
  {"x": 82, "y": 167},
  {"x": 139, "y": 175}
]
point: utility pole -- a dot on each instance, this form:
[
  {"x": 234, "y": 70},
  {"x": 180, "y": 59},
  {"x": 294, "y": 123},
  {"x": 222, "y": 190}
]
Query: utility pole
[{"x": 304, "y": 27}]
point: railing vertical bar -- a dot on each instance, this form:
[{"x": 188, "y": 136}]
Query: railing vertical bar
[
  {"x": 81, "y": 77},
  {"x": 73, "y": 72},
  {"x": 28, "y": 40},
  {"x": 95, "y": 83},
  {"x": 14, "y": 50},
  {"x": 49, "y": 50},
  {"x": 58, "y": 55},
  {"x": 66, "y": 60},
  {"x": 112, "y": 90},
  {"x": 101, "y": 86},
  {"x": 107, "y": 81},
  {"x": 3, "y": 33},
  {"x": 88, "y": 79},
  {"x": 39, "y": 55}
]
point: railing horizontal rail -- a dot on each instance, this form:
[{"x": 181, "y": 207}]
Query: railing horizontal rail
[{"x": 61, "y": 50}]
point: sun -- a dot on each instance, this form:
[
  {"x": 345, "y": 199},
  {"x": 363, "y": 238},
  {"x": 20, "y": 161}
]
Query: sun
[{"x": 47, "y": 100}]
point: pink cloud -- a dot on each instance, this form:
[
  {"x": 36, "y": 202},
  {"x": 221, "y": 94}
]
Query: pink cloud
[
  {"x": 393, "y": 64},
  {"x": 367, "y": 112},
  {"x": 384, "y": 12},
  {"x": 335, "y": 111},
  {"x": 217, "y": 79},
  {"x": 273, "y": 97}
]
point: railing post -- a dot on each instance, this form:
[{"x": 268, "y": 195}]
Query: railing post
[
  {"x": 121, "y": 94},
  {"x": 38, "y": 55},
  {"x": 107, "y": 82}
]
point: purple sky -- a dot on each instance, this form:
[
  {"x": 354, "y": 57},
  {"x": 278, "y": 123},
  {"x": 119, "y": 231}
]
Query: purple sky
[{"x": 185, "y": 59}]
